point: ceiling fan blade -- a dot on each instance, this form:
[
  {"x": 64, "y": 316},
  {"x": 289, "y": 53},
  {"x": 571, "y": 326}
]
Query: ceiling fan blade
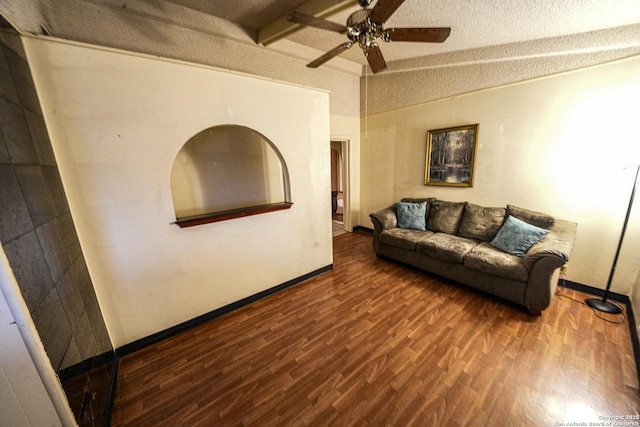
[
  {"x": 384, "y": 9},
  {"x": 375, "y": 58},
  {"x": 430, "y": 35},
  {"x": 312, "y": 21},
  {"x": 327, "y": 56}
]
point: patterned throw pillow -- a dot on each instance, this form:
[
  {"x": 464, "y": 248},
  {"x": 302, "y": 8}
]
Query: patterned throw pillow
[
  {"x": 516, "y": 237},
  {"x": 412, "y": 215}
]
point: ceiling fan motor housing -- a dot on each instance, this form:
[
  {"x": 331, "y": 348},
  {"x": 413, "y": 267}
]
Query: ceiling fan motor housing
[
  {"x": 360, "y": 29},
  {"x": 358, "y": 18}
]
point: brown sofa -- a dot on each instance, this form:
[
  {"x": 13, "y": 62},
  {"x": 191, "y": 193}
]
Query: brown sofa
[{"x": 457, "y": 244}]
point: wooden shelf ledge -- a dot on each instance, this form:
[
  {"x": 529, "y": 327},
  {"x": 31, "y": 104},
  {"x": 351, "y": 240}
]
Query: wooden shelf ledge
[{"x": 206, "y": 218}]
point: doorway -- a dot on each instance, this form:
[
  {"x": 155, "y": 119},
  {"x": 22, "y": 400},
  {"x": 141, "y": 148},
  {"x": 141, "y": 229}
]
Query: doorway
[{"x": 339, "y": 185}]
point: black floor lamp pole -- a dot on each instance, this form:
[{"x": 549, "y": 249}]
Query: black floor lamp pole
[{"x": 602, "y": 304}]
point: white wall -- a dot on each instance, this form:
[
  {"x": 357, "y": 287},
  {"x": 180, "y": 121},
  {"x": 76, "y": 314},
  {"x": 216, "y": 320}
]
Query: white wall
[
  {"x": 30, "y": 393},
  {"x": 23, "y": 398},
  {"x": 558, "y": 145},
  {"x": 117, "y": 121}
]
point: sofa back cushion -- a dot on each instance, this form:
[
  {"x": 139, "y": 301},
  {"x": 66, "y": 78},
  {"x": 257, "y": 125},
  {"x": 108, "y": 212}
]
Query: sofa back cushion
[
  {"x": 445, "y": 217},
  {"x": 480, "y": 223},
  {"x": 418, "y": 200},
  {"x": 538, "y": 219}
]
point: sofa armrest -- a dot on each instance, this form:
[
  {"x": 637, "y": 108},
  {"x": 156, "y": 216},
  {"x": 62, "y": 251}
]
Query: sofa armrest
[
  {"x": 544, "y": 260},
  {"x": 555, "y": 247},
  {"x": 385, "y": 218}
]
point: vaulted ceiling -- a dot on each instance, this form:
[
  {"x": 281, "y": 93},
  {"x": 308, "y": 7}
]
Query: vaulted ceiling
[
  {"x": 475, "y": 24},
  {"x": 482, "y": 31}
]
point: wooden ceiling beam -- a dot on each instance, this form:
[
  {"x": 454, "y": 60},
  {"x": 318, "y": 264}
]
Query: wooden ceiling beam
[{"x": 281, "y": 27}]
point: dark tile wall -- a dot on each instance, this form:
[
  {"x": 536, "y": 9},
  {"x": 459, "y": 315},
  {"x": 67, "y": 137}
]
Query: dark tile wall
[{"x": 36, "y": 229}]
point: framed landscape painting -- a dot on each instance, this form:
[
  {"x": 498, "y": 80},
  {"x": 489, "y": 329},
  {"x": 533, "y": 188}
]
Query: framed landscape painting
[{"x": 451, "y": 156}]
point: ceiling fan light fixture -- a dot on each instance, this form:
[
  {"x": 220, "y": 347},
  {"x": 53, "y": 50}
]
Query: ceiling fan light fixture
[{"x": 353, "y": 33}]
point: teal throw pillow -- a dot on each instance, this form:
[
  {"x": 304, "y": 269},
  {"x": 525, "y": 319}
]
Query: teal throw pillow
[
  {"x": 412, "y": 215},
  {"x": 516, "y": 237}
]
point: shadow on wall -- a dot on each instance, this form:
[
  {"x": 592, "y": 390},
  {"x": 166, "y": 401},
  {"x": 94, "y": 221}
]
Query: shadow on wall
[{"x": 40, "y": 241}]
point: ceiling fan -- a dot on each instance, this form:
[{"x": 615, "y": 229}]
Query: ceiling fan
[{"x": 365, "y": 27}]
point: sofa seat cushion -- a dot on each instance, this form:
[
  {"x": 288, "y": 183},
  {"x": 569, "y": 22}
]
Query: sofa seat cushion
[
  {"x": 446, "y": 247},
  {"x": 487, "y": 259},
  {"x": 403, "y": 237}
]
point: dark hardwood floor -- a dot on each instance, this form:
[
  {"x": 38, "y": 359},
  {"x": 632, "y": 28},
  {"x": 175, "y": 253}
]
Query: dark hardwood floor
[{"x": 376, "y": 343}]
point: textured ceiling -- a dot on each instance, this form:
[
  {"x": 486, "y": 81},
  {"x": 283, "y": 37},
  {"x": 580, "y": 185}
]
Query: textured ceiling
[
  {"x": 253, "y": 14},
  {"x": 475, "y": 23}
]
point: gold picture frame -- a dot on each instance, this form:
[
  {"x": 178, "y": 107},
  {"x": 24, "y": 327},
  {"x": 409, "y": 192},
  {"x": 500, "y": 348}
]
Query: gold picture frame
[{"x": 451, "y": 154}]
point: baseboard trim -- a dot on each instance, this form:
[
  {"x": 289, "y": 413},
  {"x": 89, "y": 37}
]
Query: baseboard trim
[
  {"x": 142, "y": 343},
  {"x": 86, "y": 365},
  {"x": 597, "y": 292},
  {"x": 174, "y": 330},
  {"x": 107, "y": 359},
  {"x": 361, "y": 228},
  {"x": 111, "y": 397},
  {"x": 623, "y": 299},
  {"x": 634, "y": 338}
]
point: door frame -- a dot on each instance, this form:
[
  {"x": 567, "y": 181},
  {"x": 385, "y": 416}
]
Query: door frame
[{"x": 345, "y": 147}]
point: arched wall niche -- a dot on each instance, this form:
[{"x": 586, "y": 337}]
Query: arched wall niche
[{"x": 226, "y": 172}]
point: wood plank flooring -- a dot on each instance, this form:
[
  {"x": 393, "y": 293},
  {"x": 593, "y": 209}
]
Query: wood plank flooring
[{"x": 376, "y": 343}]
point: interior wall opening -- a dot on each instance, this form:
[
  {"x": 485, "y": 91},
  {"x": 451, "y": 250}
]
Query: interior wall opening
[
  {"x": 339, "y": 186},
  {"x": 228, "y": 171}
]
